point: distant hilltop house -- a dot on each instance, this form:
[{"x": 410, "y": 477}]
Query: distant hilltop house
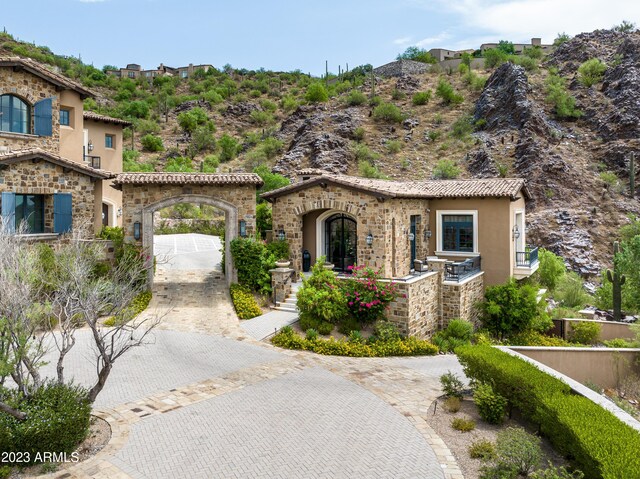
[
  {"x": 133, "y": 71},
  {"x": 446, "y": 59}
]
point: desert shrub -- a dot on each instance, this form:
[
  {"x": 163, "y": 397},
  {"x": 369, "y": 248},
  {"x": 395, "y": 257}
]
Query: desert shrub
[
  {"x": 311, "y": 334},
  {"x": 368, "y": 170},
  {"x": 447, "y": 94},
  {"x": 528, "y": 63},
  {"x": 243, "y": 301},
  {"x": 551, "y": 269},
  {"x": 364, "y": 153},
  {"x": 210, "y": 164},
  {"x": 57, "y": 420},
  {"x": 557, "y": 95},
  {"x": 358, "y": 134},
  {"x": 261, "y": 118},
  {"x": 375, "y": 101},
  {"x": 146, "y": 127},
  {"x": 179, "y": 163},
  {"x": 618, "y": 343},
  {"x": 452, "y": 404},
  {"x": 417, "y": 55},
  {"x": 151, "y": 143},
  {"x": 584, "y": 332},
  {"x": 570, "y": 291},
  {"x": 386, "y": 331},
  {"x": 561, "y": 38},
  {"x": 509, "y": 308},
  {"x": 463, "y": 424},
  {"x": 393, "y": 146},
  {"x": 452, "y": 385},
  {"x": 202, "y": 139},
  {"x": 475, "y": 81},
  {"x": 316, "y": 93},
  {"x": 320, "y": 296},
  {"x": 552, "y": 472},
  {"x": 349, "y": 324},
  {"x": 534, "y": 52},
  {"x": 190, "y": 120},
  {"x": 356, "y": 98},
  {"x": 609, "y": 178},
  {"x": 397, "y": 94},
  {"x": 446, "y": 169},
  {"x": 388, "y": 112},
  {"x": 535, "y": 338},
  {"x": 591, "y": 72},
  {"x": 491, "y": 405},
  {"x": 518, "y": 453},
  {"x": 462, "y": 127},
  {"x": 494, "y": 57},
  {"x": 421, "y": 98},
  {"x": 457, "y": 333},
  {"x": 482, "y": 449},
  {"x": 229, "y": 147},
  {"x": 289, "y": 103}
]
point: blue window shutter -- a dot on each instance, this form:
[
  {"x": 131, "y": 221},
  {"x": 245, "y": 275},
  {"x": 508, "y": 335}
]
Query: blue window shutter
[
  {"x": 62, "y": 214},
  {"x": 43, "y": 121},
  {"x": 9, "y": 211}
]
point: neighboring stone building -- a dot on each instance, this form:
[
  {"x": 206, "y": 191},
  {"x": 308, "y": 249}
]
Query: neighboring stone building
[
  {"x": 402, "y": 67},
  {"x": 521, "y": 47},
  {"x": 133, "y": 71},
  {"x": 42, "y": 122},
  {"x": 442, "y": 240}
]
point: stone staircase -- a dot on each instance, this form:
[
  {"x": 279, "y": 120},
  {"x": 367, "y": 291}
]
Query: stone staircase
[{"x": 291, "y": 301}]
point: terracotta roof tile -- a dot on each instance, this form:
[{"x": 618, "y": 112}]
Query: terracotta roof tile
[
  {"x": 42, "y": 71},
  {"x": 491, "y": 187},
  {"x": 92, "y": 115},
  {"x": 15, "y": 156},
  {"x": 187, "y": 179}
]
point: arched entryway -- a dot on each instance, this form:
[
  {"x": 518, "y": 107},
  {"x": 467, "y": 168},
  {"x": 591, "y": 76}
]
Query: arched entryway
[
  {"x": 145, "y": 193},
  {"x": 231, "y": 222},
  {"x": 339, "y": 236}
]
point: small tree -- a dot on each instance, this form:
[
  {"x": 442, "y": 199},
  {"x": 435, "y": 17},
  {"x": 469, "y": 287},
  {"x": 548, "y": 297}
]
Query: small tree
[
  {"x": 551, "y": 269},
  {"x": 506, "y": 47},
  {"x": 446, "y": 170},
  {"x": 561, "y": 38},
  {"x": 417, "y": 55},
  {"x": 151, "y": 143},
  {"x": 316, "y": 93},
  {"x": 509, "y": 308},
  {"x": 591, "y": 72},
  {"x": 229, "y": 147}
]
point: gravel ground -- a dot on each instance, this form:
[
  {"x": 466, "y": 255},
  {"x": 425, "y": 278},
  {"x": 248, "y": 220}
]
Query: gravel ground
[{"x": 459, "y": 442}]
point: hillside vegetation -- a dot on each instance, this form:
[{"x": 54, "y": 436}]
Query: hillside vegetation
[{"x": 566, "y": 122}]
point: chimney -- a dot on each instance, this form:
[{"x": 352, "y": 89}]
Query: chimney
[{"x": 536, "y": 42}]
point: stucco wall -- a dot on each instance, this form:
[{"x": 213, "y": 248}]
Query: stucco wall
[
  {"x": 495, "y": 220},
  {"x": 44, "y": 178},
  {"x": 71, "y": 137},
  {"x": 608, "y": 329},
  {"x": 603, "y": 366},
  {"x": 30, "y": 88}
]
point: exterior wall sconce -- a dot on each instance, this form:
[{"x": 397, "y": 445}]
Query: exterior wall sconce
[
  {"x": 516, "y": 232},
  {"x": 242, "y": 228},
  {"x": 90, "y": 146},
  {"x": 119, "y": 212},
  {"x": 412, "y": 236},
  {"x": 427, "y": 234},
  {"x": 281, "y": 235},
  {"x": 369, "y": 239},
  {"x": 136, "y": 231}
]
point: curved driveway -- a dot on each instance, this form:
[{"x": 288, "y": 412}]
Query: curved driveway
[{"x": 202, "y": 400}]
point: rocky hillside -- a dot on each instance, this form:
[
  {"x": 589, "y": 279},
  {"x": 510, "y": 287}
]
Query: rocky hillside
[{"x": 572, "y": 144}]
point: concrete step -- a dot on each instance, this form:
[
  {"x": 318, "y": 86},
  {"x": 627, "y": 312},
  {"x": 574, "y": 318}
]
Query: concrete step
[
  {"x": 291, "y": 300},
  {"x": 289, "y": 309}
]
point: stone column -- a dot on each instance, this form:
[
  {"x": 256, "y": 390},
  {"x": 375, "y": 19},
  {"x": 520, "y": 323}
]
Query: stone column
[{"x": 281, "y": 283}]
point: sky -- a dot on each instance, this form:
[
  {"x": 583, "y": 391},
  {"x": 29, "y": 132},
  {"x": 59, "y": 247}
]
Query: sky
[{"x": 285, "y": 35}]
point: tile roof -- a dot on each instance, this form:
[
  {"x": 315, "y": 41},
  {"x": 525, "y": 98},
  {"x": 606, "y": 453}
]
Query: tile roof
[
  {"x": 42, "y": 71},
  {"x": 491, "y": 187},
  {"x": 15, "y": 156},
  {"x": 92, "y": 115},
  {"x": 187, "y": 179}
]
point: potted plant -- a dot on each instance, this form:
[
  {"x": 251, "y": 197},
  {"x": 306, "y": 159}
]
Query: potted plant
[{"x": 283, "y": 263}]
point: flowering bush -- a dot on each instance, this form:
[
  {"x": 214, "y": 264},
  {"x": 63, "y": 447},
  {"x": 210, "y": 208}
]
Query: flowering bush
[
  {"x": 367, "y": 296},
  {"x": 320, "y": 296}
]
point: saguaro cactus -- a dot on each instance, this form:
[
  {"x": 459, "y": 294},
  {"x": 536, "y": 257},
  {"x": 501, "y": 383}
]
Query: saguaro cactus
[
  {"x": 617, "y": 280},
  {"x": 632, "y": 175}
]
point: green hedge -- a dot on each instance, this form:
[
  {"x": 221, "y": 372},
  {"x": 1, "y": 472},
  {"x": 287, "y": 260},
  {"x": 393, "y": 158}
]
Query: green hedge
[
  {"x": 595, "y": 440},
  {"x": 287, "y": 338},
  {"x": 244, "y": 302},
  {"x": 57, "y": 420}
]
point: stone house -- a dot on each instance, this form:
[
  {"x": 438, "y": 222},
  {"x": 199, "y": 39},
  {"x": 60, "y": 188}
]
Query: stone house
[
  {"x": 133, "y": 71},
  {"x": 56, "y": 160},
  {"x": 443, "y": 241}
]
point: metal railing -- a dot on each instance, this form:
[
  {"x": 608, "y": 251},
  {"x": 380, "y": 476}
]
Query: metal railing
[
  {"x": 94, "y": 161},
  {"x": 459, "y": 271},
  {"x": 527, "y": 259}
]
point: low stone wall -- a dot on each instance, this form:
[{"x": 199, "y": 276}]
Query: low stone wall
[
  {"x": 459, "y": 299},
  {"x": 402, "y": 67},
  {"x": 608, "y": 329},
  {"x": 606, "y": 367},
  {"x": 417, "y": 313}
]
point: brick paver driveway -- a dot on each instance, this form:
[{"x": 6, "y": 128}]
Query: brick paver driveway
[{"x": 202, "y": 400}]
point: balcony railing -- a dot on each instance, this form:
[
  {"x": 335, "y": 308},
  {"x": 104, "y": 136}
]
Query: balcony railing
[
  {"x": 460, "y": 271},
  {"x": 526, "y": 259},
  {"x": 94, "y": 161}
]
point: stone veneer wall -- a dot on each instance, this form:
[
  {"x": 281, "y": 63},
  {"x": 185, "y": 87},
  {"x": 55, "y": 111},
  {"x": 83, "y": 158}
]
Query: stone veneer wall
[
  {"x": 30, "y": 88},
  {"x": 44, "y": 178},
  {"x": 390, "y": 251},
  {"x": 418, "y": 313},
  {"x": 459, "y": 299}
]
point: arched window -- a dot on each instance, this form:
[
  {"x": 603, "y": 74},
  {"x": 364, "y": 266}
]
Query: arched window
[
  {"x": 341, "y": 241},
  {"x": 14, "y": 115}
]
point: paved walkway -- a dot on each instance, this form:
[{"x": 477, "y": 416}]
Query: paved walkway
[
  {"x": 206, "y": 400},
  {"x": 268, "y": 324}
]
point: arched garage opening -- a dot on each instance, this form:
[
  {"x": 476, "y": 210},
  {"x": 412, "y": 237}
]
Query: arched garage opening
[{"x": 145, "y": 193}]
